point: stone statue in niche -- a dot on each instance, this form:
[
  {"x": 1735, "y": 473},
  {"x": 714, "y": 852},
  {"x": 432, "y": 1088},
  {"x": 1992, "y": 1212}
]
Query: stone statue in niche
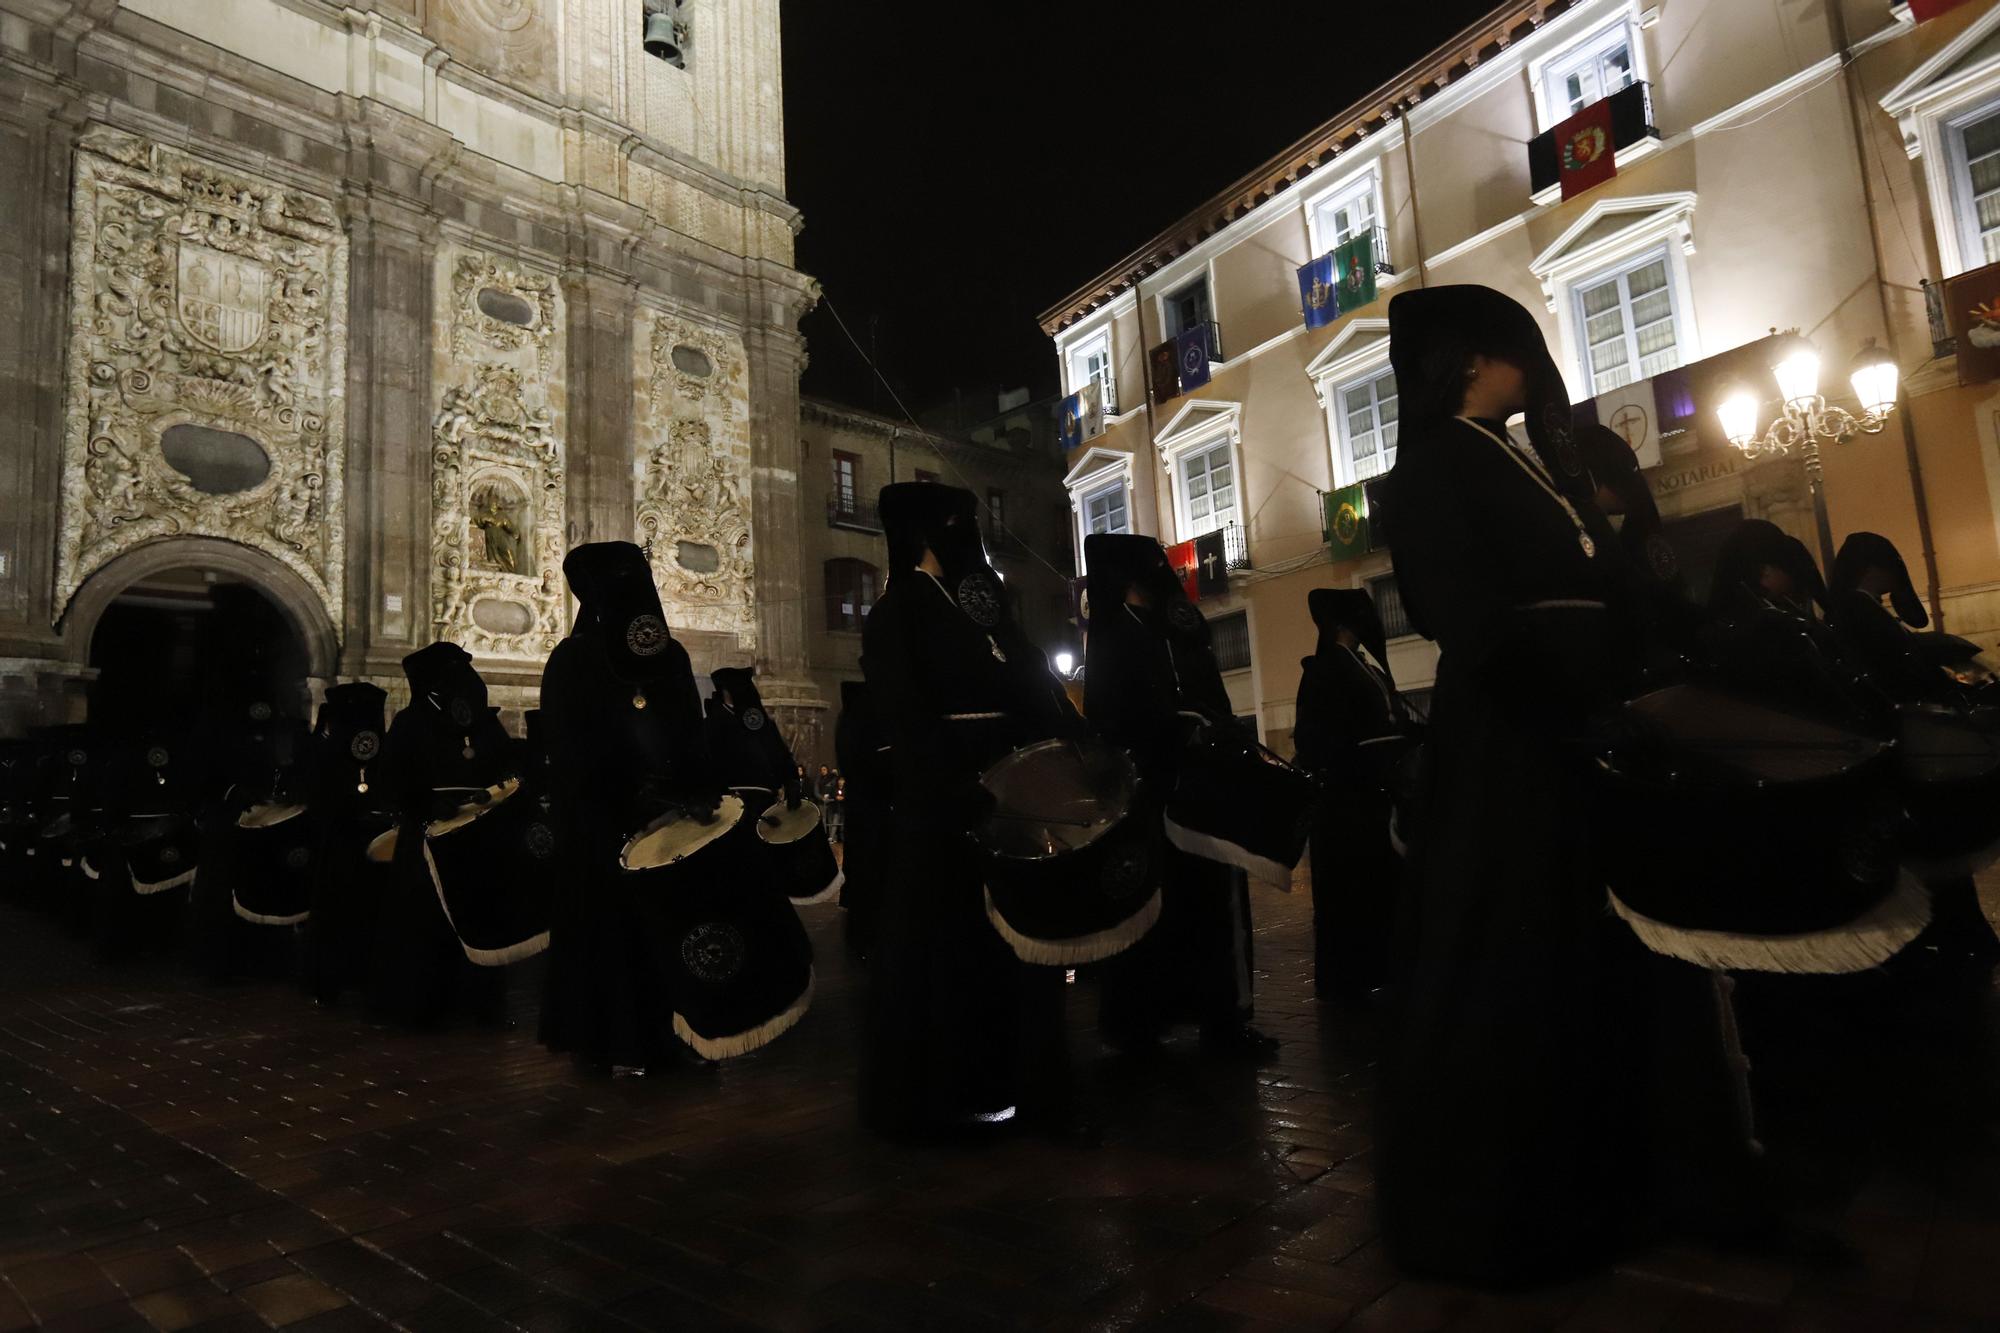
[
  {"x": 206, "y": 296},
  {"x": 501, "y": 514}
]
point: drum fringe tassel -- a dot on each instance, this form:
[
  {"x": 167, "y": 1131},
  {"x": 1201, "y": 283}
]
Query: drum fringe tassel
[
  {"x": 259, "y": 919},
  {"x": 142, "y": 887},
  {"x": 501, "y": 957},
  {"x": 1092, "y": 948},
  {"x": 90, "y": 871},
  {"x": 1209, "y": 848},
  {"x": 1870, "y": 940},
  {"x": 827, "y": 894},
  {"x": 742, "y": 1043}
]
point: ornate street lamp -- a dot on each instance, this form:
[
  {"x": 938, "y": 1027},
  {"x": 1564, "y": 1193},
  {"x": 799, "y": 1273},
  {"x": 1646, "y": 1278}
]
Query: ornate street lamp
[{"x": 1805, "y": 419}]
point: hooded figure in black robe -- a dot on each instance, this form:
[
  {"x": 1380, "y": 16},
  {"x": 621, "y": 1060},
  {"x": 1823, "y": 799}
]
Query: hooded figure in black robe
[
  {"x": 1766, "y": 636},
  {"x": 139, "y": 868},
  {"x": 1150, "y": 679},
  {"x": 744, "y": 742},
  {"x": 1501, "y": 1096},
  {"x": 445, "y": 748},
  {"x": 350, "y": 802},
  {"x": 1877, "y": 641},
  {"x": 863, "y": 756},
  {"x": 254, "y": 884},
  {"x": 958, "y": 1032},
  {"x": 1350, "y": 723},
  {"x": 1661, "y": 615}
]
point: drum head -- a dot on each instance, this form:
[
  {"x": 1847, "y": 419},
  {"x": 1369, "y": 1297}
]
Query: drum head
[
  {"x": 780, "y": 824},
  {"x": 1055, "y": 798},
  {"x": 269, "y": 814},
  {"x": 382, "y": 847},
  {"x": 472, "y": 809},
  {"x": 1727, "y": 736},
  {"x": 674, "y": 837}
]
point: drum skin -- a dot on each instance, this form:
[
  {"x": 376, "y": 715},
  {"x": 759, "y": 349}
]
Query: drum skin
[
  {"x": 1235, "y": 804},
  {"x": 1947, "y": 770},
  {"x": 492, "y": 869},
  {"x": 673, "y": 838}
]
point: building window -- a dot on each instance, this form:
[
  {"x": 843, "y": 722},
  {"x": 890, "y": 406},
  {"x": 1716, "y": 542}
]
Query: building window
[
  {"x": 850, "y": 593},
  {"x": 1975, "y": 147},
  {"x": 1389, "y": 606},
  {"x": 1209, "y": 476},
  {"x": 1366, "y": 413},
  {"x": 1345, "y": 213},
  {"x": 1627, "y": 321},
  {"x": 846, "y": 481},
  {"x": 996, "y": 508},
  {"x": 1104, "y": 511},
  {"x": 1091, "y": 360},
  {"x": 1229, "y": 635},
  {"x": 1593, "y": 69},
  {"x": 1186, "y": 307}
]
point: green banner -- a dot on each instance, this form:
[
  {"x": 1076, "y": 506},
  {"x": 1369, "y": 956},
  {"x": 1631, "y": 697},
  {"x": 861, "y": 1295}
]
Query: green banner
[
  {"x": 1347, "y": 522},
  {"x": 1354, "y": 272}
]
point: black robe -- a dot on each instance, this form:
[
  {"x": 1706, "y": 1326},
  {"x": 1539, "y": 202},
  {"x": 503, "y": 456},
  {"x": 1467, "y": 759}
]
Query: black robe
[
  {"x": 347, "y": 888},
  {"x": 864, "y": 757},
  {"x": 949, "y": 1037},
  {"x": 1502, "y": 1092},
  {"x": 1348, "y": 718},
  {"x": 749, "y": 756},
  {"x": 1195, "y": 964}
]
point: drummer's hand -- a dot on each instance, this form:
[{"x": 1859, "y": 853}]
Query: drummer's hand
[
  {"x": 702, "y": 807},
  {"x": 793, "y": 796}
]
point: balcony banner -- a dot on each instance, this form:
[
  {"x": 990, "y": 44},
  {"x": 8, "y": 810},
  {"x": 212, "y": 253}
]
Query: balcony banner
[
  {"x": 1354, "y": 268},
  {"x": 1972, "y": 313},
  {"x": 1211, "y": 564},
  {"x": 1079, "y": 603},
  {"x": 1347, "y": 522},
  {"x": 1182, "y": 557},
  {"x": 1317, "y": 292},
  {"x": 1930, "y": 9},
  {"x": 1163, "y": 369},
  {"x": 1191, "y": 352},
  {"x": 1082, "y": 416},
  {"x": 1584, "y": 151}
]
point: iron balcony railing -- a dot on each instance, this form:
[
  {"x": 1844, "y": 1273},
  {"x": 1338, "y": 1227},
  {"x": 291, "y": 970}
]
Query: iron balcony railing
[
  {"x": 1389, "y": 606},
  {"x": 1631, "y": 121},
  {"x": 1214, "y": 337},
  {"x": 1235, "y": 546},
  {"x": 1107, "y": 392},
  {"x": 853, "y": 512},
  {"x": 1942, "y": 341}
]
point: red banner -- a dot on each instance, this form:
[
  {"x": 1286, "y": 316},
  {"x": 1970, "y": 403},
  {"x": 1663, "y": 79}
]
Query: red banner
[
  {"x": 1584, "y": 154},
  {"x": 1187, "y": 568},
  {"x": 1930, "y": 9}
]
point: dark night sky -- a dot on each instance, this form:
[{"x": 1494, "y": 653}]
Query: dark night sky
[{"x": 963, "y": 166}]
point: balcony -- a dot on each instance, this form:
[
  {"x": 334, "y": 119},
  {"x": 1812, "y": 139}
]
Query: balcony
[
  {"x": 852, "y": 513},
  {"x": 1107, "y": 392},
  {"x": 1235, "y": 546},
  {"x": 1214, "y": 337},
  {"x": 1631, "y": 126},
  {"x": 1389, "y": 606},
  {"x": 1943, "y": 343}
]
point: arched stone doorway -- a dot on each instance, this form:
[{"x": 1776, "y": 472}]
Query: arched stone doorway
[{"x": 170, "y": 629}]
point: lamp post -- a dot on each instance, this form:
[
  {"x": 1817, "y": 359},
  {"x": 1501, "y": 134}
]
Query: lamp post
[{"x": 1805, "y": 419}]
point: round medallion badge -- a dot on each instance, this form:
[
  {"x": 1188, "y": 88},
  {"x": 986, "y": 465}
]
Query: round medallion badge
[
  {"x": 260, "y": 712},
  {"x": 1661, "y": 558},
  {"x": 646, "y": 636},
  {"x": 170, "y": 856},
  {"x": 365, "y": 746},
  {"x": 460, "y": 712},
  {"x": 297, "y": 858},
  {"x": 979, "y": 598},
  {"x": 157, "y": 756},
  {"x": 713, "y": 951},
  {"x": 1184, "y": 617},
  {"x": 77, "y": 758},
  {"x": 754, "y": 719},
  {"x": 540, "y": 840}
]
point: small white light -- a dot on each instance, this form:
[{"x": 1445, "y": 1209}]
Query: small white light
[
  {"x": 1065, "y": 663},
  {"x": 1797, "y": 369},
  {"x": 1874, "y": 378},
  {"x": 1739, "y": 417}
]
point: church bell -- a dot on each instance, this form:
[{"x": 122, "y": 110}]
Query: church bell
[{"x": 663, "y": 38}]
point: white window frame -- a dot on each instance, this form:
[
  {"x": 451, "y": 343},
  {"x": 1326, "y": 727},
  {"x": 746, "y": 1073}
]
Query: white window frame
[
  {"x": 1358, "y": 352},
  {"x": 1543, "y": 74},
  {"x": 1205, "y": 275},
  {"x": 1571, "y": 264},
  {"x": 1659, "y": 254},
  {"x": 1199, "y": 426},
  {"x": 1345, "y": 471},
  {"x": 1930, "y": 105},
  {"x": 1185, "y": 524},
  {"x": 1367, "y": 181},
  {"x": 1098, "y": 342},
  {"x": 1963, "y": 213},
  {"x": 1098, "y": 471},
  {"x": 1105, "y": 492}
]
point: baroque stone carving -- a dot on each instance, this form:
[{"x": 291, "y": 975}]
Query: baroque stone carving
[
  {"x": 497, "y": 470},
  {"x": 201, "y": 296},
  {"x": 692, "y": 432}
]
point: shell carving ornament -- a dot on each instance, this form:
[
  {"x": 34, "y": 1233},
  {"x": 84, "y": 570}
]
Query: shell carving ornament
[
  {"x": 205, "y": 297},
  {"x": 693, "y": 437},
  {"x": 497, "y": 468}
]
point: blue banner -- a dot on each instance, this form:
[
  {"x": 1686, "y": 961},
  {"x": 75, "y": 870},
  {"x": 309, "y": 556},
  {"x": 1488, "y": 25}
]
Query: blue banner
[
  {"x": 1069, "y": 422},
  {"x": 1318, "y": 292},
  {"x": 1191, "y": 352}
]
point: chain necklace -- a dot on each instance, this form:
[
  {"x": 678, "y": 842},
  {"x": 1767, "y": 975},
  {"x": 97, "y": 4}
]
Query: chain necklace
[{"x": 1535, "y": 473}]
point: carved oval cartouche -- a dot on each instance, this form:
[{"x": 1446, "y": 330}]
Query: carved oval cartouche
[
  {"x": 506, "y": 307},
  {"x": 698, "y": 557},
  {"x": 692, "y": 361},
  {"x": 215, "y": 462}
]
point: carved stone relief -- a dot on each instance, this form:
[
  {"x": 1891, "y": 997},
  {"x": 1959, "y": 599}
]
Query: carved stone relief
[
  {"x": 512, "y": 40},
  {"x": 692, "y": 432},
  {"x": 209, "y": 299},
  {"x": 497, "y": 459}
]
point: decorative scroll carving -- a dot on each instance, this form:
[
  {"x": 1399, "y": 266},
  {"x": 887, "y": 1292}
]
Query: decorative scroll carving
[
  {"x": 693, "y": 437},
  {"x": 497, "y": 487},
  {"x": 207, "y": 297}
]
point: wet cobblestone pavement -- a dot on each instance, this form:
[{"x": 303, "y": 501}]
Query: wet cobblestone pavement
[{"x": 175, "y": 1156}]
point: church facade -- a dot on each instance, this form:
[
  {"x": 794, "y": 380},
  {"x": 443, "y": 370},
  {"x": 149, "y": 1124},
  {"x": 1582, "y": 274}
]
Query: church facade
[{"x": 379, "y": 307}]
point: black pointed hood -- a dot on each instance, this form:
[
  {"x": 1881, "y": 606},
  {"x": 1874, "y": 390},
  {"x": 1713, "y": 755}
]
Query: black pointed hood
[
  {"x": 741, "y": 682},
  {"x": 620, "y": 608},
  {"x": 1435, "y": 331},
  {"x": 442, "y": 676},
  {"x": 352, "y": 720},
  {"x": 1119, "y": 562},
  {"x": 1863, "y": 551},
  {"x": 1352, "y": 609},
  {"x": 1754, "y": 544},
  {"x": 1611, "y": 464},
  {"x": 916, "y": 514}
]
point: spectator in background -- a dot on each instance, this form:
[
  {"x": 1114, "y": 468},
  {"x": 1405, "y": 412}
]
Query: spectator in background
[{"x": 835, "y": 812}]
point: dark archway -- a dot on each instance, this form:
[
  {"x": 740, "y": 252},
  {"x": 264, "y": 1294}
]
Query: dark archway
[{"x": 186, "y": 645}]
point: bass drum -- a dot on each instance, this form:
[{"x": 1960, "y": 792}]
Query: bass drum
[
  {"x": 1736, "y": 836},
  {"x": 160, "y": 850},
  {"x": 272, "y": 863},
  {"x": 675, "y": 836},
  {"x": 739, "y": 963},
  {"x": 1071, "y": 859},
  {"x": 1947, "y": 769},
  {"x": 797, "y": 852},
  {"x": 492, "y": 865},
  {"x": 1241, "y": 805}
]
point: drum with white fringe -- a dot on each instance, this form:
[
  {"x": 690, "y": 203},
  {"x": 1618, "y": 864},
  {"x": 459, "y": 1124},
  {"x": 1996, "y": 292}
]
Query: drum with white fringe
[
  {"x": 739, "y": 963},
  {"x": 492, "y": 865},
  {"x": 1947, "y": 769},
  {"x": 795, "y": 848},
  {"x": 1070, "y": 857},
  {"x": 677, "y": 835},
  {"x": 272, "y": 857},
  {"x": 1239, "y": 804},
  {"x": 160, "y": 850}
]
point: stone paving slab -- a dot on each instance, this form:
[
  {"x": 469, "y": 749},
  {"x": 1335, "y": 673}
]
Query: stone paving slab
[{"x": 178, "y": 1156}]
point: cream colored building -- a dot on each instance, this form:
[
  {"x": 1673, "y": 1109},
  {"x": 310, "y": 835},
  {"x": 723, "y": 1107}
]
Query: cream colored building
[
  {"x": 379, "y": 306},
  {"x": 1775, "y": 185}
]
